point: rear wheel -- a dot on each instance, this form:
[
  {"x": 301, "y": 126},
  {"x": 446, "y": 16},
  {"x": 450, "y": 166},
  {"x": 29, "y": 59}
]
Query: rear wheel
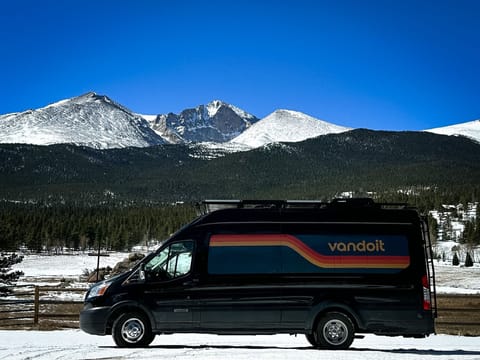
[
  {"x": 132, "y": 330},
  {"x": 334, "y": 331}
]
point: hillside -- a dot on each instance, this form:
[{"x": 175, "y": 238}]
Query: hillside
[{"x": 359, "y": 160}]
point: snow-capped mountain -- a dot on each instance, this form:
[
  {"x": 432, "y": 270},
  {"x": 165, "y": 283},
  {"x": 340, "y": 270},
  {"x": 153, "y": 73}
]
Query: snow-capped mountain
[
  {"x": 469, "y": 129},
  {"x": 285, "y": 126},
  {"x": 215, "y": 122},
  {"x": 97, "y": 121},
  {"x": 90, "y": 120}
]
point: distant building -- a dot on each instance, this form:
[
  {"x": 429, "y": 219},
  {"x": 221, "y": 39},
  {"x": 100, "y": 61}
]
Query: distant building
[{"x": 451, "y": 220}]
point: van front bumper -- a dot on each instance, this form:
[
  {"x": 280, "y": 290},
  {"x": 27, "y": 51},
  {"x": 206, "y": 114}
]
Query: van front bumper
[{"x": 93, "y": 320}]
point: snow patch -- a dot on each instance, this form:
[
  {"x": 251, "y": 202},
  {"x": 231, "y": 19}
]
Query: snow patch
[
  {"x": 47, "y": 266},
  {"x": 469, "y": 129}
]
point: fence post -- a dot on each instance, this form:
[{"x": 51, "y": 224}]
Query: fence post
[{"x": 36, "y": 302}]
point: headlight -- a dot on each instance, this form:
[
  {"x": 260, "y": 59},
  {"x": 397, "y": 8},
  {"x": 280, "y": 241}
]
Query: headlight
[{"x": 98, "y": 290}]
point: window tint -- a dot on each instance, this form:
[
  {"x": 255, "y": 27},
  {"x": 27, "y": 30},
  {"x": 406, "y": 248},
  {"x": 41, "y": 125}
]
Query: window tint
[{"x": 172, "y": 262}]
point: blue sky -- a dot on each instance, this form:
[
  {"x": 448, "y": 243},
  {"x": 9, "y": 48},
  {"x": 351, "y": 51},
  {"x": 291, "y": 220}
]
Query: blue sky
[{"x": 378, "y": 64}]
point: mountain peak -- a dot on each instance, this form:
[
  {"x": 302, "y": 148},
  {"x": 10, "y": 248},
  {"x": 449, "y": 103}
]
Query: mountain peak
[
  {"x": 288, "y": 112},
  {"x": 214, "y": 106},
  {"x": 88, "y": 94},
  {"x": 215, "y": 122},
  {"x": 217, "y": 103},
  {"x": 284, "y": 125},
  {"x": 89, "y": 120},
  {"x": 81, "y": 99},
  {"x": 470, "y": 129}
]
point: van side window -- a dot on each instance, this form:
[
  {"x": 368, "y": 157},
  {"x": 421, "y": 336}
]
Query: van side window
[{"x": 172, "y": 262}]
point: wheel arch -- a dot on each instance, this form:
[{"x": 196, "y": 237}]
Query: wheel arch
[
  {"x": 124, "y": 307},
  {"x": 332, "y": 306}
]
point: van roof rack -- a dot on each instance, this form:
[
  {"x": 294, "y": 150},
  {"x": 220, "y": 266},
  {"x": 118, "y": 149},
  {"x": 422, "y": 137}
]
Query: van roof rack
[{"x": 207, "y": 206}]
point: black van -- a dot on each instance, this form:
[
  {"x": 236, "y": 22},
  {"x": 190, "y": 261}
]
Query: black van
[{"x": 326, "y": 270}]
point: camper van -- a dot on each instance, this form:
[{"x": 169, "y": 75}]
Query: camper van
[{"x": 331, "y": 271}]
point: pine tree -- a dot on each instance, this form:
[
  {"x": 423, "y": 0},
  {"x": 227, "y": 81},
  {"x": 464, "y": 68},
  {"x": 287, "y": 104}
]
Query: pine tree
[
  {"x": 468, "y": 260},
  {"x": 455, "y": 261}
]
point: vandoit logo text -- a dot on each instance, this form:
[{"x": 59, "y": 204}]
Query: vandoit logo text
[{"x": 362, "y": 246}]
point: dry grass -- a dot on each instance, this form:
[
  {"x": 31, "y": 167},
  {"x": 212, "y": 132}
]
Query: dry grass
[
  {"x": 458, "y": 315},
  {"x": 50, "y": 317}
]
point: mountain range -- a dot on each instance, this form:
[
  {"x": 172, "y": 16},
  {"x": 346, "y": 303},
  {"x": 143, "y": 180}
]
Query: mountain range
[
  {"x": 102, "y": 153},
  {"x": 98, "y": 122}
]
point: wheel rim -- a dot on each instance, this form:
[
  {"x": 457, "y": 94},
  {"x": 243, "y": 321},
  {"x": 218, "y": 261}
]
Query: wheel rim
[
  {"x": 335, "y": 332},
  {"x": 133, "y": 330}
]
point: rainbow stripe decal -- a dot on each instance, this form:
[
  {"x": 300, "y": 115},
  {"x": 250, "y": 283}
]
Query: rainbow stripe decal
[{"x": 369, "y": 259}]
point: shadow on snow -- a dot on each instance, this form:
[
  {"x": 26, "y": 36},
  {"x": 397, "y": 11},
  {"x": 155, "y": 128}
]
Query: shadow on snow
[{"x": 259, "y": 347}]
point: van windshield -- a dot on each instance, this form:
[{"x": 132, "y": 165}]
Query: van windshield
[{"x": 173, "y": 261}]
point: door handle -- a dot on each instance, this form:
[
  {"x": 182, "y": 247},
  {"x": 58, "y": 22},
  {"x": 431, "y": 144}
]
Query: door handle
[{"x": 181, "y": 310}]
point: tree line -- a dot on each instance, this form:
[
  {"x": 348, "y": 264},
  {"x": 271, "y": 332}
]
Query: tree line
[
  {"x": 53, "y": 228},
  {"x": 84, "y": 228}
]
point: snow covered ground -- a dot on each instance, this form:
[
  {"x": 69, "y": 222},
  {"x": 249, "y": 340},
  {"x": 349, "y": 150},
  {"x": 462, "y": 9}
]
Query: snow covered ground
[
  {"x": 74, "y": 344},
  {"x": 457, "y": 279},
  {"x": 66, "y": 266}
]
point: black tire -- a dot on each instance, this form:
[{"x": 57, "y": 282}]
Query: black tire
[
  {"x": 132, "y": 330},
  {"x": 311, "y": 339},
  {"x": 335, "y": 331}
]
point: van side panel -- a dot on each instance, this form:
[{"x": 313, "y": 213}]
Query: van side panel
[
  {"x": 371, "y": 272},
  {"x": 311, "y": 253}
]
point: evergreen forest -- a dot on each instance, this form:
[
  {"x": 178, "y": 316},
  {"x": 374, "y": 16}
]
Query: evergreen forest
[
  {"x": 58, "y": 196},
  {"x": 56, "y": 228}
]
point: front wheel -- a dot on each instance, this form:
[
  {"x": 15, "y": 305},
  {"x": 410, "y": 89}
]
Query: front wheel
[
  {"x": 311, "y": 339},
  {"x": 132, "y": 330},
  {"x": 335, "y": 331}
]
